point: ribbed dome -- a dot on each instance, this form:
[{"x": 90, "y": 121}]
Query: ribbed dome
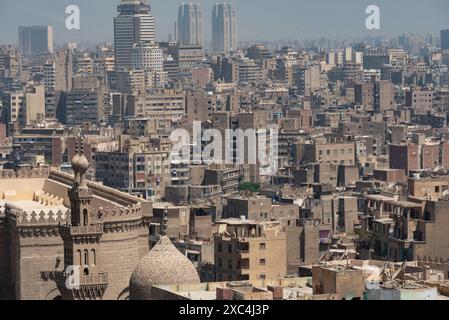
[{"x": 164, "y": 264}]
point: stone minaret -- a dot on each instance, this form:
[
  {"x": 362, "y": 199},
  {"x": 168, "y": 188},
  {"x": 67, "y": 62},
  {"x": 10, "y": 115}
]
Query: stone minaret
[{"x": 83, "y": 278}]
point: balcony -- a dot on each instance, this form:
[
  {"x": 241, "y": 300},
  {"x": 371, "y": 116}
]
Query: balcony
[
  {"x": 92, "y": 230},
  {"x": 98, "y": 279}
]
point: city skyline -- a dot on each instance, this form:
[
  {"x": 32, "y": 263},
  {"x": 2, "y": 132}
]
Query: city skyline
[
  {"x": 307, "y": 161},
  {"x": 298, "y": 21}
]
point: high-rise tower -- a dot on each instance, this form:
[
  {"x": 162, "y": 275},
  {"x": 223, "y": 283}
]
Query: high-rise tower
[
  {"x": 444, "y": 39},
  {"x": 190, "y": 24},
  {"x": 36, "y": 40},
  {"x": 133, "y": 25},
  {"x": 224, "y": 27}
]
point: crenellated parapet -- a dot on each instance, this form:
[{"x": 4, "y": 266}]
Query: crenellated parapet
[
  {"x": 123, "y": 226},
  {"x": 119, "y": 212},
  {"x": 39, "y": 217},
  {"x": 24, "y": 174},
  {"x": 47, "y": 199}
]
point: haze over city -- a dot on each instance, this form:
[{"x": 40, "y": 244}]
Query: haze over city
[
  {"x": 224, "y": 152},
  {"x": 258, "y": 19}
]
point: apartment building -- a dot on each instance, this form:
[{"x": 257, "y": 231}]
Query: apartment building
[{"x": 247, "y": 250}]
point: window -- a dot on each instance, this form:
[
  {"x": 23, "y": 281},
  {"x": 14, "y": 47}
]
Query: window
[
  {"x": 220, "y": 263},
  {"x": 94, "y": 258},
  {"x": 86, "y": 257},
  {"x": 262, "y": 276},
  {"x": 263, "y": 246},
  {"x": 220, "y": 248},
  {"x": 85, "y": 219},
  {"x": 229, "y": 248},
  {"x": 230, "y": 264},
  {"x": 262, "y": 262}
]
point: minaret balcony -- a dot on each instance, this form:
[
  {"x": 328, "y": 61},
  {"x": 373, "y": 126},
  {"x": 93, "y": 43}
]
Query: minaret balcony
[
  {"x": 83, "y": 287},
  {"x": 92, "y": 231}
]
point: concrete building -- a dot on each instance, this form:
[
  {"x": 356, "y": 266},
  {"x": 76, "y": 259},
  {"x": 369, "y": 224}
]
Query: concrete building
[
  {"x": 226, "y": 177},
  {"x": 133, "y": 25},
  {"x": 249, "y": 71},
  {"x": 148, "y": 57},
  {"x": 85, "y": 103},
  {"x": 246, "y": 250},
  {"x": 345, "y": 283},
  {"x": 422, "y": 100},
  {"x": 24, "y": 107},
  {"x": 63, "y": 70},
  {"x": 160, "y": 104},
  {"x": 307, "y": 80},
  {"x": 322, "y": 151},
  {"x": 10, "y": 61},
  {"x": 199, "y": 107},
  {"x": 147, "y": 173},
  {"x": 405, "y": 229}
]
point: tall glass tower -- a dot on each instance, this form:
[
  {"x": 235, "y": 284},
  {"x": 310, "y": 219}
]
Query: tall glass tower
[
  {"x": 190, "y": 24},
  {"x": 224, "y": 27}
]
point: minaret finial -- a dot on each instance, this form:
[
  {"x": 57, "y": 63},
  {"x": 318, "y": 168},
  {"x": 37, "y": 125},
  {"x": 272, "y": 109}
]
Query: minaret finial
[
  {"x": 76, "y": 144},
  {"x": 81, "y": 144},
  {"x": 164, "y": 222}
]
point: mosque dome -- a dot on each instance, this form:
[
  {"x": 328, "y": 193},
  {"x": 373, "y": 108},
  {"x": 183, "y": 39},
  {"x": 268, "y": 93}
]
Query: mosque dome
[{"x": 164, "y": 264}]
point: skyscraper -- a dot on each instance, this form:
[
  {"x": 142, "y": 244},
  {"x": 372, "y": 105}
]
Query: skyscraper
[
  {"x": 190, "y": 24},
  {"x": 133, "y": 25},
  {"x": 445, "y": 39},
  {"x": 224, "y": 27},
  {"x": 36, "y": 40}
]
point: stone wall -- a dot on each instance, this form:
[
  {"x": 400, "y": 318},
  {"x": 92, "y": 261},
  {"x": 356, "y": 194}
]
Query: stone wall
[
  {"x": 119, "y": 256},
  {"x": 35, "y": 259},
  {"x": 4, "y": 258}
]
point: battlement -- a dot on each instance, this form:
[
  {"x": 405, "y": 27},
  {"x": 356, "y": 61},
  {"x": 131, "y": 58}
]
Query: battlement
[
  {"x": 48, "y": 199},
  {"x": 26, "y": 213},
  {"x": 24, "y": 174}
]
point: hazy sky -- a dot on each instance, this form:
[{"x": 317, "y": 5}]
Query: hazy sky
[{"x": 258, "y": 19}]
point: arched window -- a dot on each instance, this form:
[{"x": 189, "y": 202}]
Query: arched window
[
  {"x": 85, "y": 218},
  {"x": 78, "y": 253},
  {"x": 94, "y": 258},
  {"x": 86, "y": 257}
]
